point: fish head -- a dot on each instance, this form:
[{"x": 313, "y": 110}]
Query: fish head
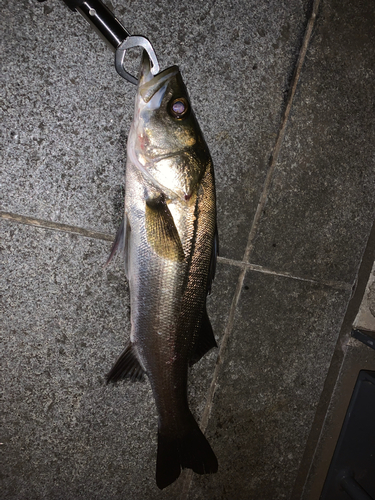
[{"x": 165, "y": 141}]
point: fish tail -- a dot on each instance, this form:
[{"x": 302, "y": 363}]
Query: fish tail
[{"x": 192, "y": 451}]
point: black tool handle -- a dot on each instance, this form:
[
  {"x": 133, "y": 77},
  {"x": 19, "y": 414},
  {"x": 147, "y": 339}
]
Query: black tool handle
[{"x": 101, "y": 19}]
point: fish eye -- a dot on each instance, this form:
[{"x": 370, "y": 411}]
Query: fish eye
[{"x": 179, "y": 108}]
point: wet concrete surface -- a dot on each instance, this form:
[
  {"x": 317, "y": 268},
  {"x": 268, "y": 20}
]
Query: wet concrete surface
[{"x": 295, "y": 175}]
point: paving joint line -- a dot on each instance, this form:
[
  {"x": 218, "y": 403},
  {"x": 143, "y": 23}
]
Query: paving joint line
[
  {"x": 284, "y": 121},
  {"x": 88, "y": 233},
  {"x": 55, "y": 226},
  {"x": 340, "y": 285},
  {"x": 249, "y": 247}
]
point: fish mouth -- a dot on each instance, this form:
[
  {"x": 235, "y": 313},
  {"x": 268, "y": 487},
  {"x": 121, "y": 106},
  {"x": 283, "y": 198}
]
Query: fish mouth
[{"x": 149, "y": 84}]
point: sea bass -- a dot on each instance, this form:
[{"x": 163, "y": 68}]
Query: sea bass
[{"x": 170, "y": 244}]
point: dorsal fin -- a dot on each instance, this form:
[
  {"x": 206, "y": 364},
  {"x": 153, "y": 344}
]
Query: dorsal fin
[
  {"x": 214, "y": 254},
  {"x": 205, "y": 340}
]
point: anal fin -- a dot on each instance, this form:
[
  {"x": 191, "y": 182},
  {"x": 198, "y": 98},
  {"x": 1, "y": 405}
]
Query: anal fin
[
  {"x": 127, "y": 366},
  {"x": 205, "y": 341}
]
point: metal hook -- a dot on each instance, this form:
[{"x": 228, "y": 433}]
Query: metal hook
[{"x": 134, "y": 41}]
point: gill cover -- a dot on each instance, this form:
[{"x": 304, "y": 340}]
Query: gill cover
[{"x": 166, "y": 141}]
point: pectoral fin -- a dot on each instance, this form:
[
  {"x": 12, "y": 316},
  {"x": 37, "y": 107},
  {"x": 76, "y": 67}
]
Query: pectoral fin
[
  {"x": 205, "y": 341},
  {"x": 121, "y": 243},
  {"x": 162, "y": 234}
]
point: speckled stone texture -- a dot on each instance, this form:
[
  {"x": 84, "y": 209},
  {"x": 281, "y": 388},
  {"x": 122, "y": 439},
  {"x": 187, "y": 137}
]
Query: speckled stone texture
[
  {"x": 65, "y": 319},
  {"x": 321, "y": 204},
  {"x": 277, "y": 359},
  {"x": 68, "y": 113}
]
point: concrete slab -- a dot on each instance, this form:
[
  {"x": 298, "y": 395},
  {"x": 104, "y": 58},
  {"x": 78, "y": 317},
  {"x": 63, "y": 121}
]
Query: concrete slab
[
  {"x": 321, "y": 204},
  {"x": 277, "y": 360},
  {"x": 67, "y": 113},
  {"x": 65, "y": 320},
  {"x": 66, "y": 118}
]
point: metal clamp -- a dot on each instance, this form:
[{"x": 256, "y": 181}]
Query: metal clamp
[
  {"x": 112, "y": 31},
  {"x": 134, "y": 41}
]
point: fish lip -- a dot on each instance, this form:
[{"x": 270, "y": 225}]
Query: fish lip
[{"x": 151, "y": 86}]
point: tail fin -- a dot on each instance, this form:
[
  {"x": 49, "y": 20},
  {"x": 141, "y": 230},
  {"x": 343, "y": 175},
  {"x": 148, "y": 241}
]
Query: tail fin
[{"x": 192, "y": 451}]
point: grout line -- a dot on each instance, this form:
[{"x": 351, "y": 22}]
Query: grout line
[
  {"x": 340, "y": 285},
  {"x": 55, "y": 226},
  {"x": 186, "y": 483},
  {"x": 58, "y": 226},
  {"x": 280, "y": 136},
  {"x": 220, "y": 357},
  {"x": 262, "y": 201}
]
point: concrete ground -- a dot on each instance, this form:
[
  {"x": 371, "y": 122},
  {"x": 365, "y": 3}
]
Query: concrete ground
[{"x": 284, "y": 92}]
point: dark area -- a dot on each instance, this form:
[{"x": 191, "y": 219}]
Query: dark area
[{"x": 352, "y": 469}]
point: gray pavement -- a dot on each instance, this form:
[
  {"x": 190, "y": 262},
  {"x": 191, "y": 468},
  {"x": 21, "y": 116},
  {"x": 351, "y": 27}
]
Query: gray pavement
[{"x": 285, "y": 95}]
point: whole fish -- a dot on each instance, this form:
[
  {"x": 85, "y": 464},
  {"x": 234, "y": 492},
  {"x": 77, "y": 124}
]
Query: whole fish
[{"x": 170, "y": 244}]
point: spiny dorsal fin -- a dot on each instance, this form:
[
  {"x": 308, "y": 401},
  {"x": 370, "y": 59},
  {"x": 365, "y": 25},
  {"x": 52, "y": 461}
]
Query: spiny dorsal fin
[
  {"x": 127, "y": 366},
  {"x": 162, "y": 234},
  {"x": 205, "y": 341}
]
